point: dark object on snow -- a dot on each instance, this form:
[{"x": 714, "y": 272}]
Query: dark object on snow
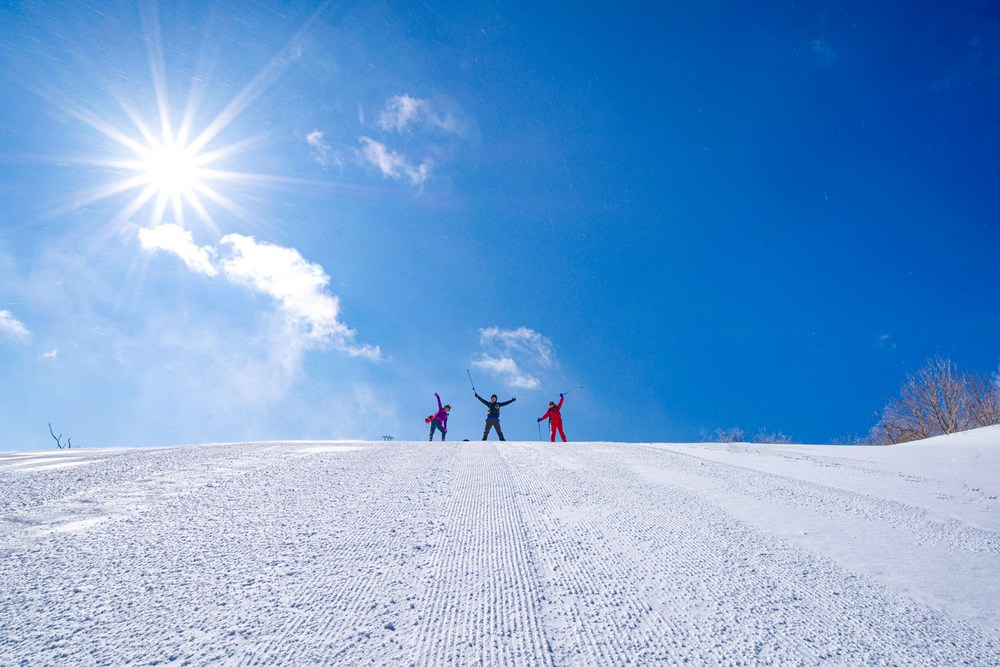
[{"x": 69, "y": 441}]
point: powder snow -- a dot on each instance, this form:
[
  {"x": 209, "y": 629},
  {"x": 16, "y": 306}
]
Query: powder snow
[{"x": 516, "y": 553}]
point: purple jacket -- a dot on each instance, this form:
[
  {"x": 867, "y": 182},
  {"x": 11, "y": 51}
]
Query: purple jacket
[{"x": 441, "y": 415}]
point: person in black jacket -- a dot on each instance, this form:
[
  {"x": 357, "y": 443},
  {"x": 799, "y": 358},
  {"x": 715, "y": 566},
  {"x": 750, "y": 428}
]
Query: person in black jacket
[{"x": 493, "y": 414}]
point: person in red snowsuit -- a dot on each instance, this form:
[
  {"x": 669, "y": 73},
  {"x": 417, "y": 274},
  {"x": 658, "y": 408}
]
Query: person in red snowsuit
[
  {"x": 439, "y": 420},
  {"x": 555, "y": 419}
]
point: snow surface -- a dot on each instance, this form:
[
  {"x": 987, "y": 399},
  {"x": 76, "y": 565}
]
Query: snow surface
[{"x": 503, "y": 553}]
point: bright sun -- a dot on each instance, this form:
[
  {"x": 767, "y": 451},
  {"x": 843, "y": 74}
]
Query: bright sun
[
  {"x": 170, "y": 173},
  {"x": 173, "y": 170}
]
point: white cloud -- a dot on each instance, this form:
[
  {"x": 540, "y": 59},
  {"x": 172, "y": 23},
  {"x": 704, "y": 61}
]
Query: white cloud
[
  {"x": 522, "y": 340},
  {"x": 282, "y": 273},
  {"x": 392, "y": 164},
  {"x": 508, "y": 371},
  {"x": 298, "y": 286},
  {"x": 178, "y": 241},
  {"x": 321, "y": 150},
  {"x": 515, "y": 355},
  {"x": 51, "y": 354},
  {"x": 403, "y": 111},
  {"x": 11, "y": 327}
]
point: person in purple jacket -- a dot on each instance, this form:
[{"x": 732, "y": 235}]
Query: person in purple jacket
[{"x": 439, "y": 420}]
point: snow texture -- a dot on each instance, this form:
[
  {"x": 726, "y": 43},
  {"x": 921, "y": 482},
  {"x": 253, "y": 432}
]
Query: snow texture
[{"x": 503, "y": 553}]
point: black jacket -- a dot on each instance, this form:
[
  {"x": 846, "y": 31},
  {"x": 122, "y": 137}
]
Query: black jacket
[{"x": 493, "y": 406}]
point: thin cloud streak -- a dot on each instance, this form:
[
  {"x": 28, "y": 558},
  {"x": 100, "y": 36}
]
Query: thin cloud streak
[
  {"x": 321, "y": 150},
  {"x": 392, "y": 164},
  {"x": 11, "y": 327},
  {"x": 403, "y": 111}
]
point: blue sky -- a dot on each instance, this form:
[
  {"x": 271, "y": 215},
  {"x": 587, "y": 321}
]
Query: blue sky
[{"x": 293, "y": 220}]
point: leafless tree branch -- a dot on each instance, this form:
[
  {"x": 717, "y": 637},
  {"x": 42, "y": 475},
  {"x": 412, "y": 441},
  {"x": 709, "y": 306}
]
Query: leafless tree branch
[{"x": 57, "y": 439}]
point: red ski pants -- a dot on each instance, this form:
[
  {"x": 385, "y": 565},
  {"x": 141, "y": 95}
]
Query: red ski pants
[{"x": 556, "y": 426}]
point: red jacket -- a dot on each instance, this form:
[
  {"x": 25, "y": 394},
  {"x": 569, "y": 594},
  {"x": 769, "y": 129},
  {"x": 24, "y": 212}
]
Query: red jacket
[{"x": 553, "y": 414}]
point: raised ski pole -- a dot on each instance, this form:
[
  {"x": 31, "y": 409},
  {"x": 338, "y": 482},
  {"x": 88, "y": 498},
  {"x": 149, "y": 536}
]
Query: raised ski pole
[
  {"x": 470, "y": 379},
  {"x": 572, "y": 390}
]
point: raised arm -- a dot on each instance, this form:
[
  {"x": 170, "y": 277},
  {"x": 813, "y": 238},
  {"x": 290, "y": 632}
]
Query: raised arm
[
  {"x": 561, "y": 399},
  {"x": 481, "y": 399},
  {"x": 439, "y": 401},
  {"x": 504, "y": 403}
]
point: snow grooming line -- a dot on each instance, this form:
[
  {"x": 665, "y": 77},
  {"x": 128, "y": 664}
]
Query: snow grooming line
[{"x": 603, "y": 553}]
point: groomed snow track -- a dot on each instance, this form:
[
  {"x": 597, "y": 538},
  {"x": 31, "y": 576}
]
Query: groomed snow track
[{"x": 459, "y": 554}]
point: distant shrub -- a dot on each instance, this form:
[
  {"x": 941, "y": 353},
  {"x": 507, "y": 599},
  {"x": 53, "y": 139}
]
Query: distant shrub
[
  {"x": 851, "y": 440},
  {"x": 734, "y": 434},
  {"x": 762, "y": 436},
  {"x": 935, "y": 400}
]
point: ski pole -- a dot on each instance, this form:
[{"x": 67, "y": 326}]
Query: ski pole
[
  {"x": 539, "y": 431},
  {"x": 470, "y": 379},
  {"x": 572, "y": 390}
]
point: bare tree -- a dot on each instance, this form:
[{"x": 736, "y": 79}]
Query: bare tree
[
  {"x": 57, "y": 439},
  {"x": 937, "y": 399},
  {"x": 734, "y": 434},
  {"x": 984, "y": 400},
  {"x": 763, "y": 436}
]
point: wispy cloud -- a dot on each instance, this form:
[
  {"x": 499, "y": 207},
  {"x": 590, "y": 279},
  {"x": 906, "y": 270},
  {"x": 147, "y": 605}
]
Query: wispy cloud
[
  {"x": 392, "y": 164},
  {"x": 515, "y": 355},
  {"x": 522, "y": 340},
  {"x": 508, "y": 371},
  {"x": 321, "y": 150},
  {"x": 11, "y": 327},
  {"x": 403, "y": 111},
  {"x": 298, "y": 286},
  {"x": 178, "y": 241},
  {"x": 885, "y": 341}
]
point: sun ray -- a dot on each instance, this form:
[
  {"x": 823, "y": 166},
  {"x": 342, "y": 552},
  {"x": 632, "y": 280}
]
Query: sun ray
[
  {"x": 107, "y": 129},
  {"x": 202, "y": 212},
  {"x": 169, "y": 163},
  {"x": 264, "y": 80},
  {"x": 227, "y": 203}
]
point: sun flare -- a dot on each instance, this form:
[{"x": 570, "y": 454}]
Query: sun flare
[
  {"x": 169, "y": 174},
  {"x": 173, "y": 170}
]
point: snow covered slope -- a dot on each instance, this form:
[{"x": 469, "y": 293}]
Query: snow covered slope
[{"x": 515, "y": 553}]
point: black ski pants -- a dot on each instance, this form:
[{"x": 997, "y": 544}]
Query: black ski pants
[{"x": 492, "y": 422}]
